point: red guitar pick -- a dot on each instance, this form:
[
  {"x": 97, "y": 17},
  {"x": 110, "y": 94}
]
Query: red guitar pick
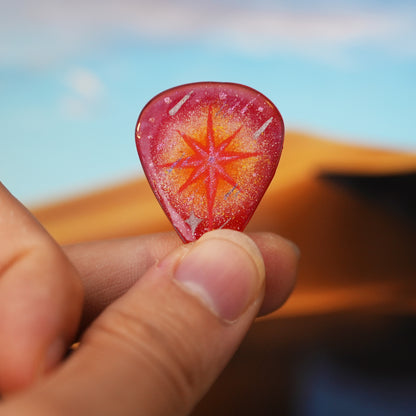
[{"x": 209, "y": 151}]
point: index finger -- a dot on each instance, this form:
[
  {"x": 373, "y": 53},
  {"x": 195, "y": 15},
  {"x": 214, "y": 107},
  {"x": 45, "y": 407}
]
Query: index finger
[{"x": 109, "y": 268}]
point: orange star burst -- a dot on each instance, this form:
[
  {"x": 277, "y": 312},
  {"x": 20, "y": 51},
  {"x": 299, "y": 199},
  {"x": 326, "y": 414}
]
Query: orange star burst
[{"x": 208, "y": 163}]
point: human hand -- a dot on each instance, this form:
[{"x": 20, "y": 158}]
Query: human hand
[{"x": 158, "y": 320}]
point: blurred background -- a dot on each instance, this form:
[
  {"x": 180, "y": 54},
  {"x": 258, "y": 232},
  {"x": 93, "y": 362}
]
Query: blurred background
[{"x": 74, "y": 77}]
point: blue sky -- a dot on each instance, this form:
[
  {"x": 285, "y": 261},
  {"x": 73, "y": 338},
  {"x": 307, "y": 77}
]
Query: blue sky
[{"x": 75, "y": 75}]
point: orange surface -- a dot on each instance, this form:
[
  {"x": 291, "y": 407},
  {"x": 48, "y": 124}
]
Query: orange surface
[{"x": 355, "y": 256}]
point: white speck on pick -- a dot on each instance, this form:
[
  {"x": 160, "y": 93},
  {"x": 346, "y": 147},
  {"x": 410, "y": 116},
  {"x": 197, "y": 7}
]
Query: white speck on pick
[
  {"x": 179, "y": 104},
  {"x": 193, "y": 221},
  {"x": 226, "y": 222},
  {"x": 247, "y": 105},
  {"x": 257, "y": 134}
]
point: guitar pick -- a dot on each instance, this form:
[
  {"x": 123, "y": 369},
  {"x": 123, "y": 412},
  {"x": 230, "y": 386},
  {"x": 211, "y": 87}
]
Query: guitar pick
[{"x": 209, "y": 151}]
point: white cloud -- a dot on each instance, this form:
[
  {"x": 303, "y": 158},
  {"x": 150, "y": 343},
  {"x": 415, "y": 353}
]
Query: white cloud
[
  {"x": 85, "y": 91},
  {"x": 38, "y": 32},
  {"x": 85, "y": 83},
  {"x": 314, "y": 34}
]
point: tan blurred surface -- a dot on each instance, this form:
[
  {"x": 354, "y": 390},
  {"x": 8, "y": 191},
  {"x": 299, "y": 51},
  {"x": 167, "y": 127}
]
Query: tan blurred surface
[
  {"x": 355, "y": 255},
  {"x": 357, "y": 280}
]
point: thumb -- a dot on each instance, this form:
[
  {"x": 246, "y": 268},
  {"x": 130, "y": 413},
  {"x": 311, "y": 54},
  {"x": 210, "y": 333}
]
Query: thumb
[{"x": 157, "y": 349}]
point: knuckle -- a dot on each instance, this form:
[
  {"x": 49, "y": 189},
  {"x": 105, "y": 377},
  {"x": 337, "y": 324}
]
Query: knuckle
[{"x": 66, "y": 280}]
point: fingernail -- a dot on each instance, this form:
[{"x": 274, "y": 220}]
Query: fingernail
[
  {"x": 225, "y": 271},
  {"x": 295, "y": 248}
]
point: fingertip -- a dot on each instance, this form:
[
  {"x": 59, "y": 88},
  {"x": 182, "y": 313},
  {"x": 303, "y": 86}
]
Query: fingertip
[
  {"x": 224, "y": 269},
  {"x": 242, "y": 240},
  {"x": 281, "y": 258}
]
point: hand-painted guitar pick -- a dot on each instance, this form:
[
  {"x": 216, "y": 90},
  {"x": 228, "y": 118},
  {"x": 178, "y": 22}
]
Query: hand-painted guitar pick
[{"x": 209, "y": 151}]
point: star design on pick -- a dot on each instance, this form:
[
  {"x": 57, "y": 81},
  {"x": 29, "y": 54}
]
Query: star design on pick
[
  {"x": 193, "y": 221},
  {"x": 208, "y": 163}
]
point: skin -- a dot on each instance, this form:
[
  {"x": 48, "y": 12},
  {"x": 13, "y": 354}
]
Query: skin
[{"x": 157, "y": 320}]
